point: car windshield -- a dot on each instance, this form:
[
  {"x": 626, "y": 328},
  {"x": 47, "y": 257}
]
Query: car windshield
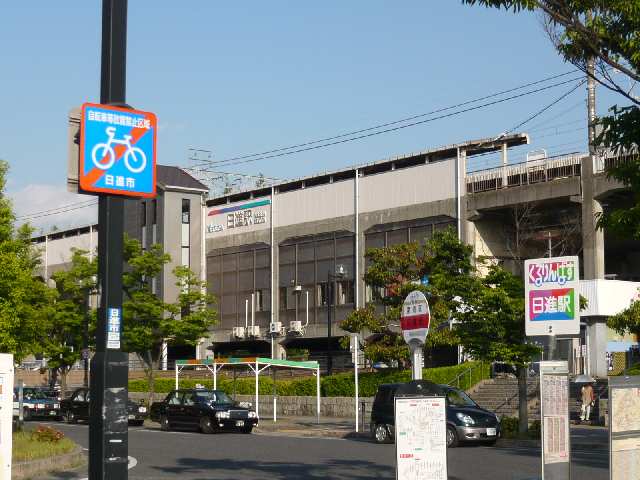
[
  {"x": 35, "y": 395},
  {"x": 458, "y": 398},
  {"x": 213, "y": 396}
]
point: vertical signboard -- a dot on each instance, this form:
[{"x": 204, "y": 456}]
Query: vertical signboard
[
  {"x": 624, "y": 428},
  {"x": 552, "y": 296},
  {"x": 421, "y": 438},
  {"x": 6, "y": 414},
  {"x": 554, "y": 413}
]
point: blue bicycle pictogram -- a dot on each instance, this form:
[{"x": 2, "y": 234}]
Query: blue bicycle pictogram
[{"x": 134, "y": 158}]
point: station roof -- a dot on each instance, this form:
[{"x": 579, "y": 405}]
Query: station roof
[{"x": 470, "y": 147}]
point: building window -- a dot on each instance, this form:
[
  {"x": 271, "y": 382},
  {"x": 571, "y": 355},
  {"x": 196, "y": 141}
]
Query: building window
[
  {"x": 185, "y": 210},
  {"x": 322, "y": 294},
  {"x": 345, "y": 293}
]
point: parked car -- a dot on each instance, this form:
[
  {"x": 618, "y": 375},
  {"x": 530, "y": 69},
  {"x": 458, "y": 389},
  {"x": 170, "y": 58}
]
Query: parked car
[
  {"x": 204, "y": 410},
  {"x": 36, "y": 403},
  {"x": 76, "y": 407},
  {"x": 466, "y": 420}
]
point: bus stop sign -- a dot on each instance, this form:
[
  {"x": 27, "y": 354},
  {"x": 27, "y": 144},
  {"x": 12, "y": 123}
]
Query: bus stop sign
[{"x": 117, "y": 151}]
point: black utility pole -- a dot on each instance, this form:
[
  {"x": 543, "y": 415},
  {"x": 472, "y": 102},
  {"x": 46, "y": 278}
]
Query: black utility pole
[
  {"x": 85, "y": 339},
  {"x": 108, "y": 448},
  {"x": 329, "y": 305}
]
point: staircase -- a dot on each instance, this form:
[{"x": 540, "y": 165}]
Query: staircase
[{"x": 500, "y": 395}]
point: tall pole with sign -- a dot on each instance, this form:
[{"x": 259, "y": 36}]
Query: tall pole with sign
[{"x": 414, "y": 321}]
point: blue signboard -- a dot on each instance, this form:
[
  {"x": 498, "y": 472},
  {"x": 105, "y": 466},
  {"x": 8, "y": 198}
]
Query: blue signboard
[{"x": 117, "y": 151}]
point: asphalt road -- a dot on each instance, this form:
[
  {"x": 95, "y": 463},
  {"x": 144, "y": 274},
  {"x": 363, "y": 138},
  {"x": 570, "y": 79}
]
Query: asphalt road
[{"x": 230, "y": 456}]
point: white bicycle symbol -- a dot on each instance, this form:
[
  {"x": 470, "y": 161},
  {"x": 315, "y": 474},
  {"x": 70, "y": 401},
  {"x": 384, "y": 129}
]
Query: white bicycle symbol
[{"x": 133, "y": 155}]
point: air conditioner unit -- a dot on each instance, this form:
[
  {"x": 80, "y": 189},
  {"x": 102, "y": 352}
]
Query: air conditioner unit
[
  {"x": 253, "y": 331},
  {"x": 275, "y": 327},
  {"x": 238, "y": 332},
  {"x": 295, "y": 326}
]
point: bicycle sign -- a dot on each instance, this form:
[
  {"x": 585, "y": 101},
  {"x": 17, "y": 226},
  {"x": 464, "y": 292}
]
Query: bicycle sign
[{"x": 117, "y": 151}]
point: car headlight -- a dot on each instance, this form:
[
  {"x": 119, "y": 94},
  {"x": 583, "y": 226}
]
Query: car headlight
[
  {"x": 56, "y": 405},
  {"x": 222, "y": 415},
  {"x": 142, "y": 409},
  {"x": 253, "y": 414},
  {"x": 466, "y": 419}
]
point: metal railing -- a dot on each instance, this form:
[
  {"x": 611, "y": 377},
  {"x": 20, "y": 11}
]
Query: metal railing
[
  {"x": 610, "y": 159},
  {"x": 467, "y": 373},
  {"x": 527, "y": 173}
]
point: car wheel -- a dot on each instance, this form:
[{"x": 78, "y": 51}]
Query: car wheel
[
  {"x": 452, "y": 437},
  {"x": 381, "y": 433},
  {"x": 70, "y": 418},
  {"x": 26, "y": 414},
  {"x": 164, "y": 423},
  {"x": 205, "y": 425},
  {"x": 247, "y": 429}
]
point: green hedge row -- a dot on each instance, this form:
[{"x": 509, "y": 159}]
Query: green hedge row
[{"x": 340, "y": 385}]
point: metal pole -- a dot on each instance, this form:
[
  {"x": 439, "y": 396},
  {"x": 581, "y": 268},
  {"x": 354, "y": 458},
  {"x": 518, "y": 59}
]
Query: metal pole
[
  {"x": 318, "y": 393},
  {"x": 108, "y": 441},
  {"x": 329, "y": 303},
  {"x": 177, "y": 374},
  {"x": 416, "y": 361},
  {"x": 85, "y": 340},
  {"x": 257, "y": 398},
  {"x": 274, "y": 394},
  {"x": 215, "y": 376},
  {"x": 21, "y": 402},
  {"x": 357, "y": 354}
]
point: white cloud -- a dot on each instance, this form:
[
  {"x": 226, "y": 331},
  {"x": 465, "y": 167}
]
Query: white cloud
[{"x": 46, "y": 206}]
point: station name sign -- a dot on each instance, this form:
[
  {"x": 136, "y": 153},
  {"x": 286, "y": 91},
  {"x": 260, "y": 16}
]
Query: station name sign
[{"x": 238, "y": 216}]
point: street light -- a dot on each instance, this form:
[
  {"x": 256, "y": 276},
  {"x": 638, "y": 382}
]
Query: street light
[{"x": 340, "y": 273}]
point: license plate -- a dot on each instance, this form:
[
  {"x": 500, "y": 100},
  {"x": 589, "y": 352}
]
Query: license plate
[
  {"x": 132, "y": 417},
  {"x": 491, "y": 432},
  {"x": 52, "y": 413},
  {"x": 240, "y": 423}
]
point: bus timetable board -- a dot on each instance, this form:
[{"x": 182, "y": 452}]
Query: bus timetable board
[{"x": 421, "y": 438}]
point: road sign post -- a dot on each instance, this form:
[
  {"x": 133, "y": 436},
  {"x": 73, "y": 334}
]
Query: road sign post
[
  {"x": 414, "y": 321},
  {"x": 116, "y": 160}
]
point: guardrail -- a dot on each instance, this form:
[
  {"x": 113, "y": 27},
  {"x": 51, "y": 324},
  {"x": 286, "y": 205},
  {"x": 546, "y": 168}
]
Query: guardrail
[{"x": 527, "y": 173}]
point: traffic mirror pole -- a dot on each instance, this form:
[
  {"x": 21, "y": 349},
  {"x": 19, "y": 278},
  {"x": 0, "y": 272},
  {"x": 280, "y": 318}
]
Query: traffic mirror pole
[{"x": 108, "y": 440}]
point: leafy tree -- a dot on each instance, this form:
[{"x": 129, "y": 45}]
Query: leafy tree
[
  {"x": 147, "y": 320},
  {"x": 397, "y": 270},
  {"x": 23, "y": 296},
  {"x": 627, "y": 321},
  {"x": 63, "y": 341},
  {"x": 607, "y": 32},
  {"x": 492, "y": 328}
]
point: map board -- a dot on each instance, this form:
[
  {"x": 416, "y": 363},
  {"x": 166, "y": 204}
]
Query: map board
[
  {"x": 421, "y": 438},
  {"x": 624, "y": 398}
]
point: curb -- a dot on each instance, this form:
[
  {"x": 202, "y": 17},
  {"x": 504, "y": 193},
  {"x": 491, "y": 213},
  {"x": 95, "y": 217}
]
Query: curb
[
  {"x": 37, "y": 468},
  {"x": 311, "y": 433}
]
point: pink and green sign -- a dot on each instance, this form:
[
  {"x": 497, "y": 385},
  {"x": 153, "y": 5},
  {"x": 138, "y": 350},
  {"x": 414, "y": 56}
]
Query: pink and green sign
[{"x": 556, "y": 304}]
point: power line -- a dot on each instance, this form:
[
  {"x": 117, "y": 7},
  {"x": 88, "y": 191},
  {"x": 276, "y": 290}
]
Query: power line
[
  {"x": 393, "y": 129},
  {"x": 55, "y": 211},
  {"x": 387, "y": 124}
]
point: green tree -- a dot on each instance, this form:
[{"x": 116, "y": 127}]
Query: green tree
[
  {"x": 23, "y": 296},
  {"x": 607, "y": 32},
  {"x": 492, "y": 328},
  {"x": 397, "y": 270},
  {"x": 70, "y": 315},
  {"x": 627, "y": 321},
  {"x": 147, "y": 320}
]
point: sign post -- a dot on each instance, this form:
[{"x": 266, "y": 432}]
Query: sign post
[
  {"x": 116, "y": 159},
  {"x": 355, "y": 356},
  {"x": 414, "y": 321}
]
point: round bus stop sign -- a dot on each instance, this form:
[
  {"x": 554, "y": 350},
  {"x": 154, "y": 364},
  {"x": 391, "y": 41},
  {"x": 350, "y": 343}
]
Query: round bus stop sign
[{"x": 415, "y": 317}]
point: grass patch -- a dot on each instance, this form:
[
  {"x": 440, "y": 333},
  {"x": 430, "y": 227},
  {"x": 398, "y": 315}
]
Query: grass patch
[
  {"x": 26, "y": 447},
  {"x": 634, "y": 369}
]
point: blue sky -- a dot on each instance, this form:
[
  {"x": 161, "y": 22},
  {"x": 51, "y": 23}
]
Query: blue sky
[{"x": 247, "y": 76}]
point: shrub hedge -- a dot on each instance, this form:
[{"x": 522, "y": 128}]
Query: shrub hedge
[{"x": 339, "y": 385}]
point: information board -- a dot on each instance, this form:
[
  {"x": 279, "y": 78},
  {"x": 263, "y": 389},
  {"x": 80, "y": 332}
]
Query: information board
[
  {"x": 552, "y": 296},
  {"x": 554, "y": 403},
  {"x": 624, "y": 408},
  {"x": 421, "y": 438}
]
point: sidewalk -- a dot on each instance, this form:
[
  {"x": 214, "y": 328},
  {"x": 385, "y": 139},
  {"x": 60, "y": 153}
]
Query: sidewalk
[{"x": 309, "y": 427}]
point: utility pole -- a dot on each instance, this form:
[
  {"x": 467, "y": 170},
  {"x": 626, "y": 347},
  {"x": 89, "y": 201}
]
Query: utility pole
[
  {"x": 108, "y": 440},
  {"x": 591, "y": 104}
]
